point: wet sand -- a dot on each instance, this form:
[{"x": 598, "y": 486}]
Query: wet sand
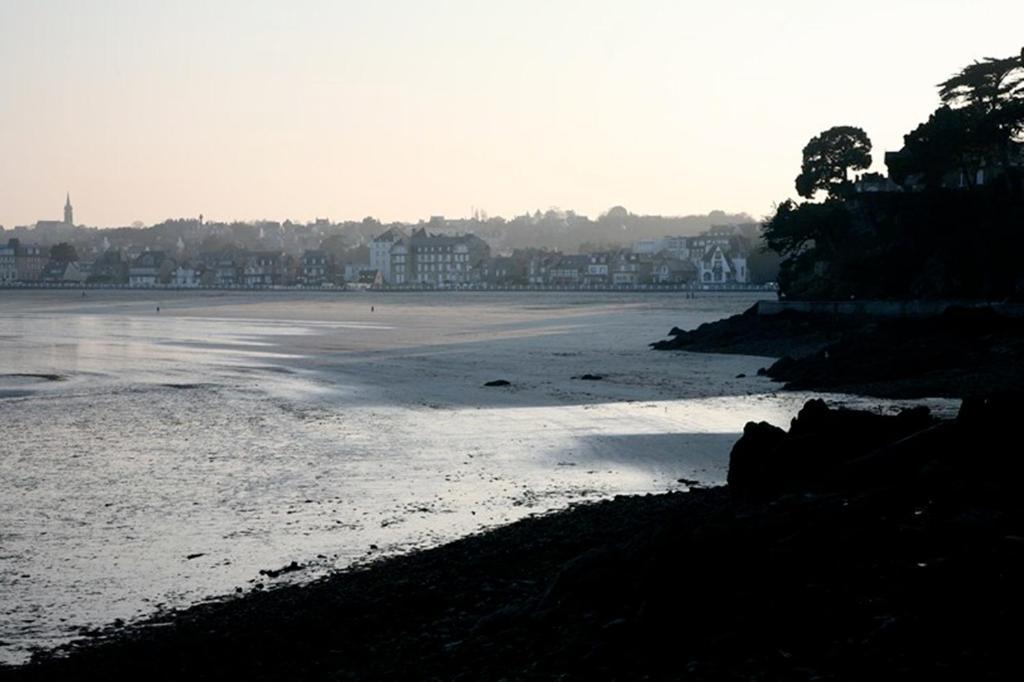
[{"x": 182, "y": 452}]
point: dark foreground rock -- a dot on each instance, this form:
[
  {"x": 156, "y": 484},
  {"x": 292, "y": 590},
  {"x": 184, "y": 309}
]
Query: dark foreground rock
[
  {"x": 964, "y": 351},
  {"x": 853, "y": 547}
]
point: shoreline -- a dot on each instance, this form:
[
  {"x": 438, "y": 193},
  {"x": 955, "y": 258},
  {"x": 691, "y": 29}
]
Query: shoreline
[
  {"x": 400, "y": 443},
  {"x": 470, "y": 607},
  {"x": 338, "y": 289},
  {"x": 887, "y": 556}
]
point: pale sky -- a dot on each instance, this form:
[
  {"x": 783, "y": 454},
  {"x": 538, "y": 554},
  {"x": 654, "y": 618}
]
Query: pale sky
[{"x": 247, "y": 109}]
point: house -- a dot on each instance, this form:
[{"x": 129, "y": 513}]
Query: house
[
  {"x": 359, "y": 272},
  {"x": 223, "y": 269},
  {"x": 264, "y": 269},
  {"x": 668, "y": 269},
  {"x": 598, "y": 269},
  {"x": 503, "y": 271},
  {"x": 151, "y": 268},
  {"x": 629, "y": 269},
  {"x": 189, "y": 274},
  {"x": 109, "y": 268},
  {"x": 719, "y": 266},
  {"x": 315, "y": 268},
  {"x": 568, "y": 271},
  {"x": 872, "y": 183},
  {"x": 539, "y": 267},
  {"x": 62, "y": 272}
]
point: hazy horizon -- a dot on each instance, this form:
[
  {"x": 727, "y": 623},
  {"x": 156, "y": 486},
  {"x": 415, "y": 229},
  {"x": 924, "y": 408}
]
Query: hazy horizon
[{"x": 400, "y": 110}]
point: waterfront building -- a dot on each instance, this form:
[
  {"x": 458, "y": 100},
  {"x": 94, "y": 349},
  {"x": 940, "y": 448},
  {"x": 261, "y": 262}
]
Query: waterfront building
[{"x": 438, "y": 260}]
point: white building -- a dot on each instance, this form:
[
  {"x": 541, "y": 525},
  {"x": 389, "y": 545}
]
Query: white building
[
  {"x": 380, "y": 252},
  {"x": 187, "y": 275},
  {"x": 719, "y": 267}
]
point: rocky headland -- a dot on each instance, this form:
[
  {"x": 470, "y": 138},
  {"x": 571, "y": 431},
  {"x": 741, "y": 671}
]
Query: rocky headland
[{"x": 965, "y": 351}]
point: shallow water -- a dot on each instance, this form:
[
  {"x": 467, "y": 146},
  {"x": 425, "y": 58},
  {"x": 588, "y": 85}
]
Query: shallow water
[{"x": 164, "y": 459}]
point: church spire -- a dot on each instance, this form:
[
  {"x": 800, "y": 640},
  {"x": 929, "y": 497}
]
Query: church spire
[{"x": 69, "y": 216}]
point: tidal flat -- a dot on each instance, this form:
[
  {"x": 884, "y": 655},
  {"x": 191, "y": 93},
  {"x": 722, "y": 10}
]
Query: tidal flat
[{"x": 156, "y": 459}]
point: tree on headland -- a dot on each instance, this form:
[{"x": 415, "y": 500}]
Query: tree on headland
[
  {"x": 989, "y": 84},
  {"x": 947, "y": 141},
  {"x": 63, "y": 252},
  {"x": 829, "y": 157},
  {"x": 981, "y": 116},
  {"x": 796, "y": 228}
]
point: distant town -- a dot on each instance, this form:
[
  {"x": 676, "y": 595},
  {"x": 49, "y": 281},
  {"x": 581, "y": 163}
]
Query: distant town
[{"x": 555, "y": 249}]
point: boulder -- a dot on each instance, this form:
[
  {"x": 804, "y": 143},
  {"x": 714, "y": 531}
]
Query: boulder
[{"x": 767, "y": 460}]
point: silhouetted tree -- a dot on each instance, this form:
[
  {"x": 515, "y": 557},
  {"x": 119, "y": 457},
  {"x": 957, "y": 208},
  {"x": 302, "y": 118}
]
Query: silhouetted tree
[
  {"x": 615, "y": 214},
  {"x": 763, "y": 264},
  {"x": 989, "y": 84},
  {"x": 63, "y": 252},
  {"x": 215, "y": 244},
  {"x": 948, "y": 141},
  {"x": 796, "y": 228},
  {"x": 828, "y": 159},
  {"x": 982, "y": 114}
]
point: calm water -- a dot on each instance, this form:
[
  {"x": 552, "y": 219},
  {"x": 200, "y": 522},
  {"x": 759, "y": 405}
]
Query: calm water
[{"x": 174, "y": 455}]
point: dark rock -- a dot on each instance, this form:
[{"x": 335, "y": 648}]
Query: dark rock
[
  {"x": 290, "y": 568},
  {"x": 752, "y": 462},
  {"x": 767, "y": 459},
  {"x": 195, "y": 556},
  {"x": 967, "y": 350},
  {"x": 590, "y": 377},
  {"x": 498, "y": 382}
]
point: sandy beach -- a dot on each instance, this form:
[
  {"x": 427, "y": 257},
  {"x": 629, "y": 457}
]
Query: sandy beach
[{"x": 181, "y": 452}]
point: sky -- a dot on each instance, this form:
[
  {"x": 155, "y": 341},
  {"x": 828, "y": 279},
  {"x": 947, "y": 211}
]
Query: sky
[{"x": 399, "y": 109}]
